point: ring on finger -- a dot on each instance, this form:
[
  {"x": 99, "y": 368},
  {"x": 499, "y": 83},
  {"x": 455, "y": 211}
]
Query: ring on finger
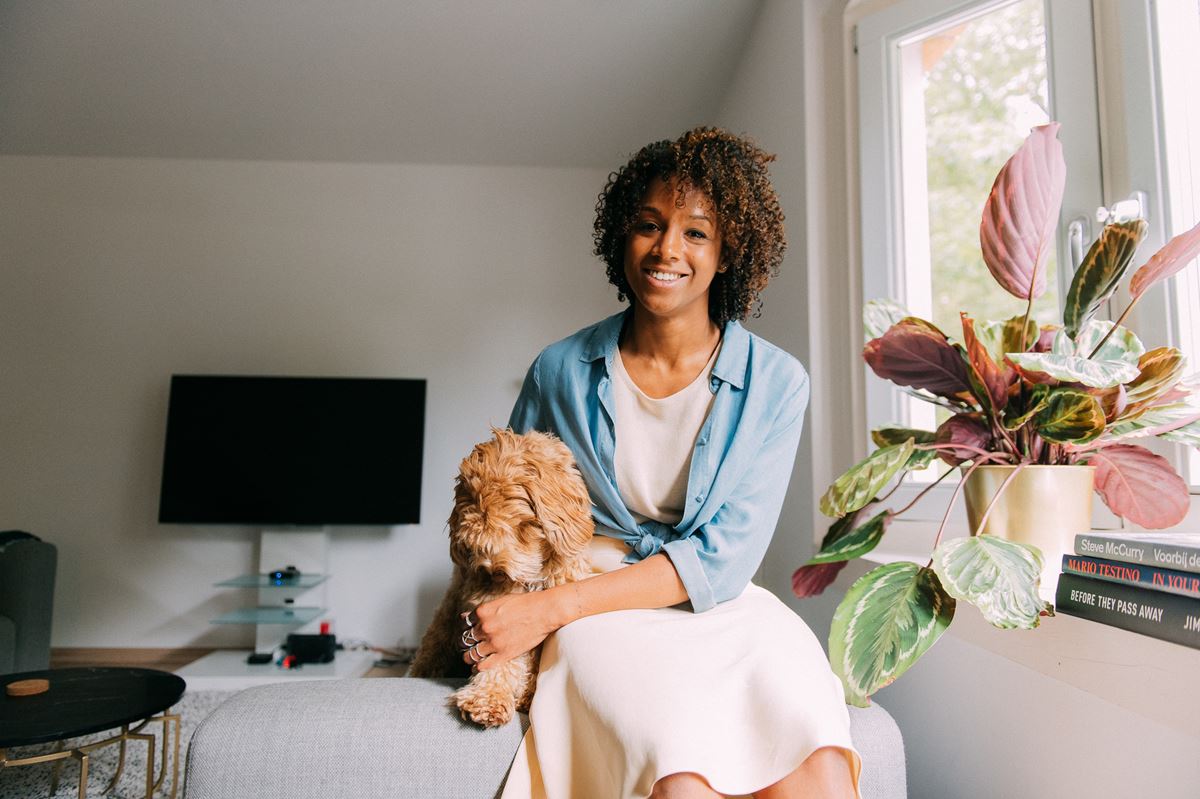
[
  {"x": 468, "y": 638},
  {"x": 470, "y": 618},
  {"x": 476, "y": 656}
]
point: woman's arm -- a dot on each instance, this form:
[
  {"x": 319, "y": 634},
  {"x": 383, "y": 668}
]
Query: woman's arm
[{"x": 516, "y": 623}]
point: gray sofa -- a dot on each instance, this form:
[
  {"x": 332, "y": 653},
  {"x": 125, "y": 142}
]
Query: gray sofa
[
  {"x": 27, "y": 566},
  {"x": 398, "y": 738}
]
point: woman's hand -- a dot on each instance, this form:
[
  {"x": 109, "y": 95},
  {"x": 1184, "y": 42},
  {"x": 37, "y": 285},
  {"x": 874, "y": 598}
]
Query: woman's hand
[{"x": 510, "y": 626}]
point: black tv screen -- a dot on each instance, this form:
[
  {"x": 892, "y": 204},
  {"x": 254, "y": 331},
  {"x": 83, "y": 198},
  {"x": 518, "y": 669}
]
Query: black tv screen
[{"x": 293, "y": 451}]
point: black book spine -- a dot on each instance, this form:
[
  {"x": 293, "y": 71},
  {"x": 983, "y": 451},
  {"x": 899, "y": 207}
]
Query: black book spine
[{"x": 1167, "y": 617}]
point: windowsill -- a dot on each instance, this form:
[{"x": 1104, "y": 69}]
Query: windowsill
[{"x": 1150, "y": 677}]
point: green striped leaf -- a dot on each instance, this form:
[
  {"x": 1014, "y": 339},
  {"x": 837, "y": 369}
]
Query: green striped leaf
[
  {"x": 890, "y": 436},
  {"x": 1101, "y": 271},
  {"x": 1070, "y": 417},
  {"x": 1149, "y": 420},
  {"x": 879, "y": 315},
  {"x": 1001, "y": 338},
  {"x": 1188, "y": 434},
  {"x": 997, "y": 576},
  {"x": 856, "y": 543},
  {"x": 887, "y": 620},
  {"x": 863, "y": 481},
  {"x": 1161, "y": 368},
  {"x": 1035, "y": 404},
  {"x": 1122, "y": 345},
  {"x": 1074, "y": 369},
  {"x": 1068, "y": 360}
]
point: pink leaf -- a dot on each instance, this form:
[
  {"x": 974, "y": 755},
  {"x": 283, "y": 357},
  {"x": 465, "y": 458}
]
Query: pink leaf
[
  {"x": 812, "y": 580},
  {"x": 917, "y": 354},
  {"x": 962, "y": 429},
  {"x": 1045, "y": 340},
  {"x": 993, "y": 379},
  {"x": 1017, "y": 231},
  {"x": 1140, "y": 486},
  {"x": 1175, "y": 255}
]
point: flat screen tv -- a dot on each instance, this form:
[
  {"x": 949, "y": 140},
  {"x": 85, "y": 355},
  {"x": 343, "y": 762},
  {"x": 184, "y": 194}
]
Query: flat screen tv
[{"x": 293, "y": 451}]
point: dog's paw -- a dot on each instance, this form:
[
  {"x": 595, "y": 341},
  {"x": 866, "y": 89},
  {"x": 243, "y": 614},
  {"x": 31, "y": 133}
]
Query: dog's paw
[{"x": 485, "y": 706}]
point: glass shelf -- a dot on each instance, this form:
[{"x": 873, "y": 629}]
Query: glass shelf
[
  {"x": 263, "y": 581},
  {"x": 284, "y": 615}
]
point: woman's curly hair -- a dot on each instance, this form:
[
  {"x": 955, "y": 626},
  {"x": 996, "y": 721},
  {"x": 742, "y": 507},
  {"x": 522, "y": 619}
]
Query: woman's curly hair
[{"x": 732, "y": 172}]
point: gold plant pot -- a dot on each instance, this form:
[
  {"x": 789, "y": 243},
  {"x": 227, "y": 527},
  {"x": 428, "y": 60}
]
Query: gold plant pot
[{"x": 1046, "y": 506}]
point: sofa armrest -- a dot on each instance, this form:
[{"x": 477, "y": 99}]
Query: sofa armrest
[
  {"x": 879, "y": 743},
  {"x": 364, "y": 738}
]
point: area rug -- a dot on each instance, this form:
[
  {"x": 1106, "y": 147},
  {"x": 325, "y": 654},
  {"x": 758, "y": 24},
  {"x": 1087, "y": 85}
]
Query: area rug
[{"x": 33, "y": 782}]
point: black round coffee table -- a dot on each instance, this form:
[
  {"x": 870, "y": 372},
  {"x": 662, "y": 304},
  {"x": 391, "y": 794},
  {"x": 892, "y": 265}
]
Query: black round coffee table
[{"x": 87, "y": 700}]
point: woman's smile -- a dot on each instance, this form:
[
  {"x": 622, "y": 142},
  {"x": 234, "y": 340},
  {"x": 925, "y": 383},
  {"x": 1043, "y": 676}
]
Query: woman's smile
[{"x": 665, "y": 278}]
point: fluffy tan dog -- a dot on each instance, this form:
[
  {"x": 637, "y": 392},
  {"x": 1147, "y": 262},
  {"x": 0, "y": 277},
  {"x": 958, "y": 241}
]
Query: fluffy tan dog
[{"x": 521, "y": 522}]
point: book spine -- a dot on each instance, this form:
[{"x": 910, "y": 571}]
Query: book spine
[
  {"x": 1170, "y": 556},
  {"x": 1164, "y": 616},
  {"x": 1152, "y": 577}
]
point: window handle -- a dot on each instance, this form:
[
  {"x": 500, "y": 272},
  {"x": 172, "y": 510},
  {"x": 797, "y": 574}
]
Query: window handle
[{"x": 1078, "y": 231}]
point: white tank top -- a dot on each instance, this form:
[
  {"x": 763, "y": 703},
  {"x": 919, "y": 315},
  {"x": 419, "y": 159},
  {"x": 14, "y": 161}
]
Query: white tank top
[{"x": 655, "y": 440}]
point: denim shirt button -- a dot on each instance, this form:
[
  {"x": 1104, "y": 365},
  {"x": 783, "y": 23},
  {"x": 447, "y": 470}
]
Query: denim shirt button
[
  {"x": 700, "y": 442},
  {"x": 699, "y": 497}
]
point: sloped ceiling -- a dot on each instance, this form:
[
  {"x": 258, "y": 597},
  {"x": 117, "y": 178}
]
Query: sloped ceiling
[{"x": 507, "y": 82}]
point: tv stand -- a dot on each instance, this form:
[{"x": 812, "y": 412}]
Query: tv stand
[{"x": 284, "y": 606}]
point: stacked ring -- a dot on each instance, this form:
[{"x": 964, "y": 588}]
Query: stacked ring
[{"x": 476, "y": 655}]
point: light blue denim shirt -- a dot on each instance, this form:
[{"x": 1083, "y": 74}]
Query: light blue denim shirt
[{"x": 741, "y": 462}]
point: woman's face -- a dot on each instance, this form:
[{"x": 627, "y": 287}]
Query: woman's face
[{"x": 672, "y": 252}]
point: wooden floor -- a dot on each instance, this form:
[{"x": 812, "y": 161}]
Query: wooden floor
[{"x": 168, "y": 659}]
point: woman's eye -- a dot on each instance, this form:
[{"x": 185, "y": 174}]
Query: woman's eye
[
  {"x": 697, "y": 234},
  {"x": 646, "y": 227}
]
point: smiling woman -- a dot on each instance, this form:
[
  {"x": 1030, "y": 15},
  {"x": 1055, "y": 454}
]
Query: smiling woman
[{"x": 684, "y": 426}]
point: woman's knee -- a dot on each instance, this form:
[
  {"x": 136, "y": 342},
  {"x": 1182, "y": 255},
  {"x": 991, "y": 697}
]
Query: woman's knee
[
  {"x": 825, "y": 774},
  {"x": 685, "y": 785}
]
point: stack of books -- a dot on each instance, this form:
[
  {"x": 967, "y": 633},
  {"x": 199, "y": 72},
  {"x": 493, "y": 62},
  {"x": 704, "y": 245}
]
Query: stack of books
[{"x": 1147, "y": 583}]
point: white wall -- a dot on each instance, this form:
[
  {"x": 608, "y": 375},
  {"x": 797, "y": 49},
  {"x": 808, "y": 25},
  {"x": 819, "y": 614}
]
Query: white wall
[
  {"x": 116, "y": 273},
  {"x": 975, "y": 723},
  {"x": 765, "y": 100}
]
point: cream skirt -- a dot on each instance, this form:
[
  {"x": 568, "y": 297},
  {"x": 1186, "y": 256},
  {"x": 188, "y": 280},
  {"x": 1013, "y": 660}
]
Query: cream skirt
[{"x": 741, "y": 694}]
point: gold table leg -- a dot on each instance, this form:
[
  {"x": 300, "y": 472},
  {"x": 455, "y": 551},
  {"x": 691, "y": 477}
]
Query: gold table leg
[
  {"x": 120, "y": 764},
  {"x": 83, "y": 771},
  {"x": 83, "y": 753}
]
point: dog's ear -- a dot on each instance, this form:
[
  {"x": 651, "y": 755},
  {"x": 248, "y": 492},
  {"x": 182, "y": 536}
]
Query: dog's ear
[
  {"x": 560, "y": 499},
  {"x": 564, "y": 511}
]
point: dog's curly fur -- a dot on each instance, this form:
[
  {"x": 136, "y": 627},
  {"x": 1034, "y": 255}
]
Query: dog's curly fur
[{"x": 521, "y": 522}]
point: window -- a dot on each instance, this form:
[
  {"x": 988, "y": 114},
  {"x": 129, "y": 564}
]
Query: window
[
  {"x": 1177, "y": 25},
  {"x": 948, "y": 90},
  {"x": 945, "y": 96}
]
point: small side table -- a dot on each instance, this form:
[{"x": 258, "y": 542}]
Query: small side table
[{"x": 83, "y": 701}]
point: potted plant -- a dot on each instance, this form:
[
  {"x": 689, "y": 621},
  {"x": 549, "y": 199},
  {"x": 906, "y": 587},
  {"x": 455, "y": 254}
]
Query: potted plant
[{"x": 1031, "y": 409}]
